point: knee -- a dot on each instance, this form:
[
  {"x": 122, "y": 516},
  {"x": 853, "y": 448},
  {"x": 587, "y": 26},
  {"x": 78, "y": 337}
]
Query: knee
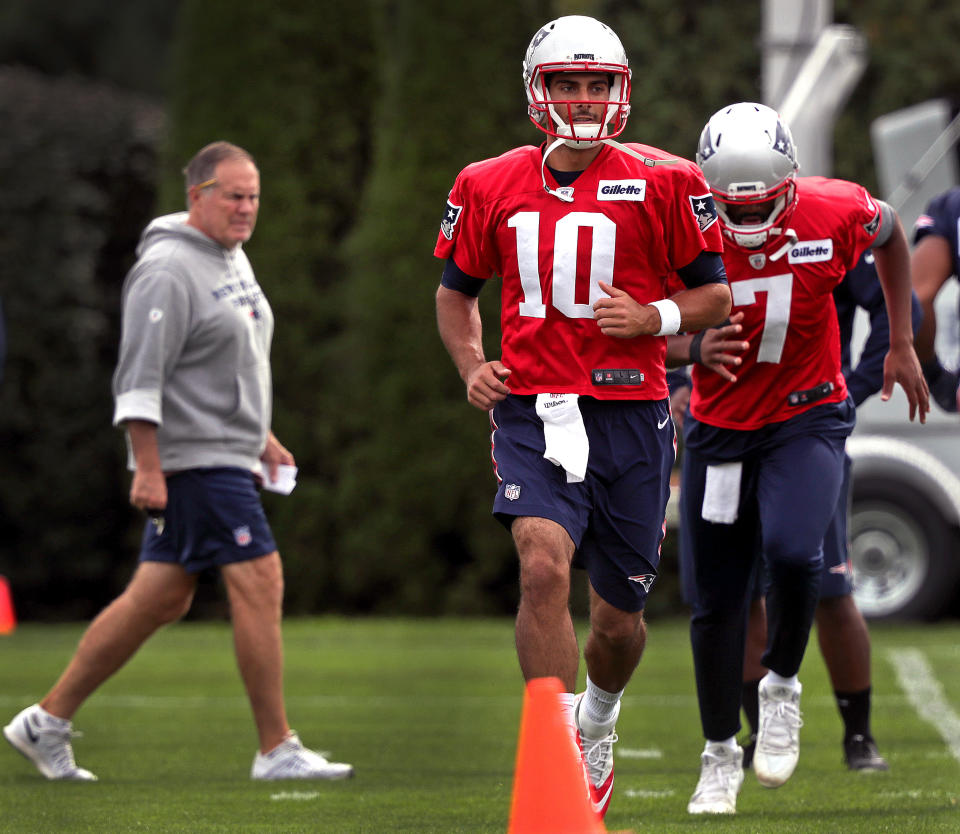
[
  {"x": 169, "y": 607},
  {"x": 543, "y": 578},
  {"x": 790, "y": 555},
  {"x": 621, "y": 631}
]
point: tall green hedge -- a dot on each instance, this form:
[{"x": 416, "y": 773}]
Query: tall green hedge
[{"x": 78, "y": 166}]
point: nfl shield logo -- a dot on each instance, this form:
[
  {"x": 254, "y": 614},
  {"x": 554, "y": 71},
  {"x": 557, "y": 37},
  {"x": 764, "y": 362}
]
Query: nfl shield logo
[
  {"x": 511, "y": 492},
  {"x": 757, "y": 261},
  {"x": 242, "y": 536}
]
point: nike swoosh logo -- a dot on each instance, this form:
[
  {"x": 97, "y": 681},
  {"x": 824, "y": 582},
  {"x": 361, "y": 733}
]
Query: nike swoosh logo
[
  {"x": 662, "y": 423},
  {"x": 600, "y": 804},
  {"x": 30, "y": 733}
]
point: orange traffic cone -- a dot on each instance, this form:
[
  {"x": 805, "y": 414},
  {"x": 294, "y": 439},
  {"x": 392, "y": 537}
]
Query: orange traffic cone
[
  {"x": 550, "y": 794},
  {"x": 8, "y": 619}
]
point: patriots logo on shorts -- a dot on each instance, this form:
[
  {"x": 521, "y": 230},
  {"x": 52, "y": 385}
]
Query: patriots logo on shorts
[
  {"x": 705, "y": 210},
  {"x": 242, "y": 536},
  {"x": 511, "y": 492},
  {"x": 450, "y": 217},
  {"x": 645, "y": 579}
]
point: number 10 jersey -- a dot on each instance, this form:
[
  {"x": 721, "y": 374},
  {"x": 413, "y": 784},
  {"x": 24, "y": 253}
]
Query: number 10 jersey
[{"x": 628, "y": 224}]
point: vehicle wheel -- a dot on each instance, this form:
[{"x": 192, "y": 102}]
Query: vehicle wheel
[{"x": 903, "y": 554}]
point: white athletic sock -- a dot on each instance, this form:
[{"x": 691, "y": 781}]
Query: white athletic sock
[
  {"x": 598, "y": 704},
  {"x": 728, "y": 746},
  {"x": 774, "y": 679}
]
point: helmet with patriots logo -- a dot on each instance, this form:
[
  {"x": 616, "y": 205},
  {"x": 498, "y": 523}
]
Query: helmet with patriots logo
[
  {"x": 576, "y": 43},
  {"x": 749, "y": 160}
]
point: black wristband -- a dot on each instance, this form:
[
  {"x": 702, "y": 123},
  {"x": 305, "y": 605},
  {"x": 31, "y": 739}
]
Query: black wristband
[{"x": 695, "y": 343}]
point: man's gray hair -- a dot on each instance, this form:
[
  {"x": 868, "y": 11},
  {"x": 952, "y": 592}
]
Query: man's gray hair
[{"x": 201, "y": 169}]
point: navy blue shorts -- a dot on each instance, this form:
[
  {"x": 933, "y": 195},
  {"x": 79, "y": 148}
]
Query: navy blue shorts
[
  {"x": 213, "y": 517},
  {"x": 615, "y": 517}
]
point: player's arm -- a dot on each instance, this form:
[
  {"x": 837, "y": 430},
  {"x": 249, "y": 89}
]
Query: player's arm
[
  {"x": 461, "y": 330},
  {"x": 861, "y": 288},
  {"x": 704, "y": 303},
  {"x": 931, "y": 267},
  {"x": 892, "y": 257}
]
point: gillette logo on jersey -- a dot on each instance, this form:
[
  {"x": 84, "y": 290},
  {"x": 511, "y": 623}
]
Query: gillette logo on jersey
[
  {"x": 635, "y": 190},
  {"x": 811, "y": 251}
]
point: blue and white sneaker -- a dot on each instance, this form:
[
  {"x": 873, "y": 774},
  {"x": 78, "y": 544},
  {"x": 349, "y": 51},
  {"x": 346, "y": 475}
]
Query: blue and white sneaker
[{"x": 45, "y": 740}]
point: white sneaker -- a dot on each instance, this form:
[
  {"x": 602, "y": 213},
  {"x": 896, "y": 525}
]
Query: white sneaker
[
  {"x": 291, "y": 760},
  {"x": 778, "y": 736},
  {"x": 46, "y": 745},
  {"x": 596, "y": 747},
  {"x": 721, "y": 775}
]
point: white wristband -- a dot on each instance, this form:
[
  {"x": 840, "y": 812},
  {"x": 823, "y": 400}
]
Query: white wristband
[{"x": 669, "y": 317}]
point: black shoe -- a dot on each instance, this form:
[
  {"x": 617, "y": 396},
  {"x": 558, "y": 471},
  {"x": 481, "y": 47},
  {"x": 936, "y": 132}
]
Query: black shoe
[
  {"x": 861, "y": 754},
  {"x": 748, "y": 747}
]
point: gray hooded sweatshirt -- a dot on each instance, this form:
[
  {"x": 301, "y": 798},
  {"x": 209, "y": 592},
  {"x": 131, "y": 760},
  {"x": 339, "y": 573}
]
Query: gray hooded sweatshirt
[{"x": 195, "y": 349}]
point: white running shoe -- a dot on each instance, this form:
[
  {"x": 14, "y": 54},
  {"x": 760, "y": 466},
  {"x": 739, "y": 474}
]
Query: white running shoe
[
  {"x": 596, "y": 747},
  {"x": 291, "y": 760},
  {"x": 46, "y": 745},
  {"x": 721, "y": 775},
  {"x": 778, "y": 736}
]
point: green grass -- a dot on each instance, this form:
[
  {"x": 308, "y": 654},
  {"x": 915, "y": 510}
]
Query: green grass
[{"x": 428, "y": 712}]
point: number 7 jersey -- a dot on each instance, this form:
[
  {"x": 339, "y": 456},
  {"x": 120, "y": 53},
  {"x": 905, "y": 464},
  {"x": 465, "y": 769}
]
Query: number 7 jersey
[
  {"x": 629, "y": 225},
  {"x": 790, "y": 319}
]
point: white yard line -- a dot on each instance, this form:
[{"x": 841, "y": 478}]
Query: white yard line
[{"x": 925, "y": 692}]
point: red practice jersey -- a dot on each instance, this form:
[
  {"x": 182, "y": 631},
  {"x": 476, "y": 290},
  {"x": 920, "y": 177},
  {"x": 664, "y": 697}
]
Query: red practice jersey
[
  {"x": 790, "y": 319},
  {"x": 629, "y": 225}
]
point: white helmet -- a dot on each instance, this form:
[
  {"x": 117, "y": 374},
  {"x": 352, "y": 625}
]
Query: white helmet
[
  {"x": 748, "y": 159},
  {"x": 576, "y": 44}
]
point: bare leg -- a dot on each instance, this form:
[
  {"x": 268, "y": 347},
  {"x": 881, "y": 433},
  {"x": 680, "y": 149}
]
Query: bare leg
[
  {"x": 158, "y": 594},
  {"x": 546, "y": 640},
  {"x": 255, "y": 589},
  {"x": 844, "y": 643},
  {"x": 615, "y": 644}
]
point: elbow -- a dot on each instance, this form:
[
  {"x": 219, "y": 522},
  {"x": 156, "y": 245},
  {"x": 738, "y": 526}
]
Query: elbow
[{"x": 724, "y": 302}]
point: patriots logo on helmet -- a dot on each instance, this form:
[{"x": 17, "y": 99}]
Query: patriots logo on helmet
[
  {"x": 705, "y": 210},
  {"x": 538, "y": 38},
  {"x": 450, "y": 217},
  {"x": 784, "y": 143}
]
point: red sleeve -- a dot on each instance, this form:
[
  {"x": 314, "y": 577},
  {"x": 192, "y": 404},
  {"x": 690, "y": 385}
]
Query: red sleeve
[{"x": 461, "y": 229}]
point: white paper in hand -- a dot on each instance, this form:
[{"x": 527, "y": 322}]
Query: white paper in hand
[{"x": 286, "y": 479}]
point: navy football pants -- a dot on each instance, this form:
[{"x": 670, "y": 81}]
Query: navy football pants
[{"x": 788, "y": 493}]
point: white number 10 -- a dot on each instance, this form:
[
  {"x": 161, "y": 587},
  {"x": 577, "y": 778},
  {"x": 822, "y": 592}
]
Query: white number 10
[{"x": 565, "y": 243}]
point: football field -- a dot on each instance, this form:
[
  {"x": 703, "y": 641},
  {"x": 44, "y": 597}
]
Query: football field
[{"x": 428, "y": 712}]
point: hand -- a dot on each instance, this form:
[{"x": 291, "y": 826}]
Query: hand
[
  {"x": 622, "y": 317},
  {"x": 719, "y": 347},
  {"x": 485, "y": 384},
  {"x": 148, "y": 490},
  {"x": 274, "y": 454},
  {"x": 901, "y": 365}
]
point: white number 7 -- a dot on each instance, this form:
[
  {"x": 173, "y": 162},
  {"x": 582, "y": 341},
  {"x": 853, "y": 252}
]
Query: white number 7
[{"x": 779, "y": 290}]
